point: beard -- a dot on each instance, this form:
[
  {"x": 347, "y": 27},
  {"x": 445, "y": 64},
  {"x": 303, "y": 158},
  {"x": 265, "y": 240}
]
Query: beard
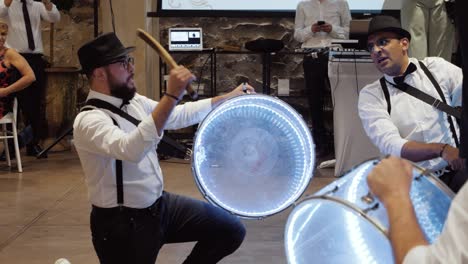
[{"x": 122, "y": 90}]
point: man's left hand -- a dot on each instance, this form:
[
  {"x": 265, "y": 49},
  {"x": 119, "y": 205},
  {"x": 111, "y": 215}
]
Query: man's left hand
[
  {"x": 326, "y": 27},
  {"x": 241, "y": 90}
]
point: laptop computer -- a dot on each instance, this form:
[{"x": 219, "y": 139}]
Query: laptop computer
[{"x": 185, "y": 39}]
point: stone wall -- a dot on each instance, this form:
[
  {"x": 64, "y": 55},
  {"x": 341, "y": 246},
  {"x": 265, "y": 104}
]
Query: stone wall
[{"x": 232, "y": 33}]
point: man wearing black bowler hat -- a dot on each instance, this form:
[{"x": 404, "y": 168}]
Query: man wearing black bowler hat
[
  {"x": 399, "y": 123},
  {"x": 116, "y": 136},
  {"x": 391, "y": 182}
]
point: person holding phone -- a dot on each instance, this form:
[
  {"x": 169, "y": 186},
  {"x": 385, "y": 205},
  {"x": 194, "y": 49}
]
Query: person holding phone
[{"x": 317, "y": 23}]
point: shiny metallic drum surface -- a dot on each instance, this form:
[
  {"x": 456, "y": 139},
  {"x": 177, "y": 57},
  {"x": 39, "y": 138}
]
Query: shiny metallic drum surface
[
  {"x": 339, "y": 224},
  {"x": 253, "y": 155}
]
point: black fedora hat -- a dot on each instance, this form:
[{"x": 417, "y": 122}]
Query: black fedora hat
[
  {"x": 387, "y": 24},
  {"x": 101, "y": 51}
]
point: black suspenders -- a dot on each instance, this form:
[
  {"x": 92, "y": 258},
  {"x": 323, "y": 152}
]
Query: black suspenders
[{"x": 118, "y": 163}]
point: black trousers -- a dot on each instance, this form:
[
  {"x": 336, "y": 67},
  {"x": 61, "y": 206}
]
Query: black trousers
[
  {"x": 317, "y": 90},
  {"x": 32, "y": 99},
  {"x": 455, "y": 179},
  {"x": 130, "y": 236}
]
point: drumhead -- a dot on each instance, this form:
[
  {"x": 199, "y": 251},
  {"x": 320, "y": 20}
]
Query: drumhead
[
  {"x": 321, "y": 230},
  {"x": 431, "y": 198},
  {"x": 253, "y": 155}
]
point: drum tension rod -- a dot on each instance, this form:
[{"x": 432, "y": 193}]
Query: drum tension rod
[
  {"x": 332, "y": 191},
  {"x": 368, "y": 198},
  {"x": 372, "y": 208}
]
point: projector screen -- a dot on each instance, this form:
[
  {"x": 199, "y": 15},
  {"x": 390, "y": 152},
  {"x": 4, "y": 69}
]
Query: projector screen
[{"x": 246, "y": 7}]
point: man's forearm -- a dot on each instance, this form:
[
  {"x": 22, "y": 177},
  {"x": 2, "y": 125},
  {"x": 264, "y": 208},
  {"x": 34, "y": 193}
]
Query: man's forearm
[
  {"x": 404, "y": 231},
  {"x": 417, "y": 151}
]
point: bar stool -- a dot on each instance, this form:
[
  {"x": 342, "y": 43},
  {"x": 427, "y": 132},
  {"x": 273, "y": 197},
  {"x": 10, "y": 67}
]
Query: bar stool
[{"x": 11, "y": 118}]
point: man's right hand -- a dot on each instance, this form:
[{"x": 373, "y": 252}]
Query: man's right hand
[
  {"x": 391, "y": 179},
  {"x": 179, "y": 78},
  {"x": 7, "y": 2},
  {"x": 451, "y": 155},
  {"x": 315, "y": 28}
]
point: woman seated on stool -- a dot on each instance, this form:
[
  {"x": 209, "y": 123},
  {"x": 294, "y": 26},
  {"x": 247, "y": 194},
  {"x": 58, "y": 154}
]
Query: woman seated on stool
[{"x": 15, "y": 73}]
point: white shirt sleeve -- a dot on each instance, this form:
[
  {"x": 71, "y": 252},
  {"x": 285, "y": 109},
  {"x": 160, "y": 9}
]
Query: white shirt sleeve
[
  {"x": 51, "y": 16},
  {"x": 188, "y": 114},
  {"x": 342, "y": 31},
  {"x": 302, "y": 32},
  {"x": 95, "y": 132},
  {"x": 377, "y": 122},
  {"x": 3, "y": 9}
]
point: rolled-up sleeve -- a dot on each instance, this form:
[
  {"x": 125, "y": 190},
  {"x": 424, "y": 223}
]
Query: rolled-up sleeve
[{"x": 188, "y": 114}]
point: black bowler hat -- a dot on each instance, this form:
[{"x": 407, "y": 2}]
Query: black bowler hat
[
  {"x": 101, "y": 51},
  {"x": 387, "y": 24}
]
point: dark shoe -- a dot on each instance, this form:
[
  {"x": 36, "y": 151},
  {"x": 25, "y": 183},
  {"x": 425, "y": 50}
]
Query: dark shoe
[{"x": 34, "y": 150}]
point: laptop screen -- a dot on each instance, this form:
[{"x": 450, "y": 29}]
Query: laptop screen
[{"x": 185, "y": 39}]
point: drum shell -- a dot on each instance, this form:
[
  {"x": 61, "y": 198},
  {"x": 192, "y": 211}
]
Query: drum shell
[{"x": 347, "y": 216}]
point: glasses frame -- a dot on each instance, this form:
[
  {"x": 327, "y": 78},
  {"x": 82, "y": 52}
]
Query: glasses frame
[
  {"x": 125, "y": 62},
  {"x": 381, "y": 43}
]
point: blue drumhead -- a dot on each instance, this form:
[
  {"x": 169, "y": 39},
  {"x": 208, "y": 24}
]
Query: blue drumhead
[
  {"x": 431, "y": 198},
  {"x": 325, "y": 231},
  {"x": 253, "y": 155}
]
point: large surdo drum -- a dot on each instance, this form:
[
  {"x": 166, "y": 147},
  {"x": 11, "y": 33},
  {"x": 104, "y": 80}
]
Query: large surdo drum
[
  {"x": 253, "y": 155},
  {"x": 343, "y": 224}
]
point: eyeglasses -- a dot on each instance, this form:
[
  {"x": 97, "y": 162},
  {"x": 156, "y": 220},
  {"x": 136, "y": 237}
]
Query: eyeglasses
[
  {"x": 381, "y": 43},
  {"x": 126, "y": 62}
]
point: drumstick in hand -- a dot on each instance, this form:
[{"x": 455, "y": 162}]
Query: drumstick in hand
[{"x": 165, "y": 56}]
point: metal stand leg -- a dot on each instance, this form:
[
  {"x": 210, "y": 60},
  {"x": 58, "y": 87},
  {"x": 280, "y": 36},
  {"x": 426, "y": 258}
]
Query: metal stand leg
[{"x": 44, "y": 152}]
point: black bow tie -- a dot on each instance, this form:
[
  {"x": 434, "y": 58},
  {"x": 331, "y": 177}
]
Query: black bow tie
[{"x": 401, "y": 79}]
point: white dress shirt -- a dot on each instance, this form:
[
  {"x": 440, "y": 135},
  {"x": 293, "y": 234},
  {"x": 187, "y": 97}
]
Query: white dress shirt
[
  {"x": 334, "y": 12},
  {"x": 451, "y": 246},
  {"x": 412, "y": 119},
  {"x": 17, "y": 36},
  {"x": 99, "y": 143}
]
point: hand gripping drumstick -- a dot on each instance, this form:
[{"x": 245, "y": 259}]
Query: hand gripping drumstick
[{"x": 165, "y": 56}]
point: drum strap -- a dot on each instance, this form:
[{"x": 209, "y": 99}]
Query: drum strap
[
  {"x": 440, "y": 105},
  {"x": 118, "y": 163}
]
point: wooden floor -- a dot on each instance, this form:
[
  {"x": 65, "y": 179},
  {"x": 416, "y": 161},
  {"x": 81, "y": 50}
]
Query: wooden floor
[{"x": 44, "y": 215}]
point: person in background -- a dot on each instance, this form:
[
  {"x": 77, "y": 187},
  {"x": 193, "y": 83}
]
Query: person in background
[
  {"x": 317, "y": 23},
  {"x": 11, "y": 62},
  {"x": 402, "y": 125},
  {"x": 24, "y": 21},
  {"x": 131, "y": 221},
  {"x": 431, "y": 29}
]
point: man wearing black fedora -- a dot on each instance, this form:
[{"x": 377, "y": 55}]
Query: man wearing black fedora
[
  {"x": 397, "y": 118},
  {"x": 116, "y": 135},
  {"x": 391, "y": 180}
]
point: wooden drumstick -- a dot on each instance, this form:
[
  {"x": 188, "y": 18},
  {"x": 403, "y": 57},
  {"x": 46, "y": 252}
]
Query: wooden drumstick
[{"x": 165, "y": 56}]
